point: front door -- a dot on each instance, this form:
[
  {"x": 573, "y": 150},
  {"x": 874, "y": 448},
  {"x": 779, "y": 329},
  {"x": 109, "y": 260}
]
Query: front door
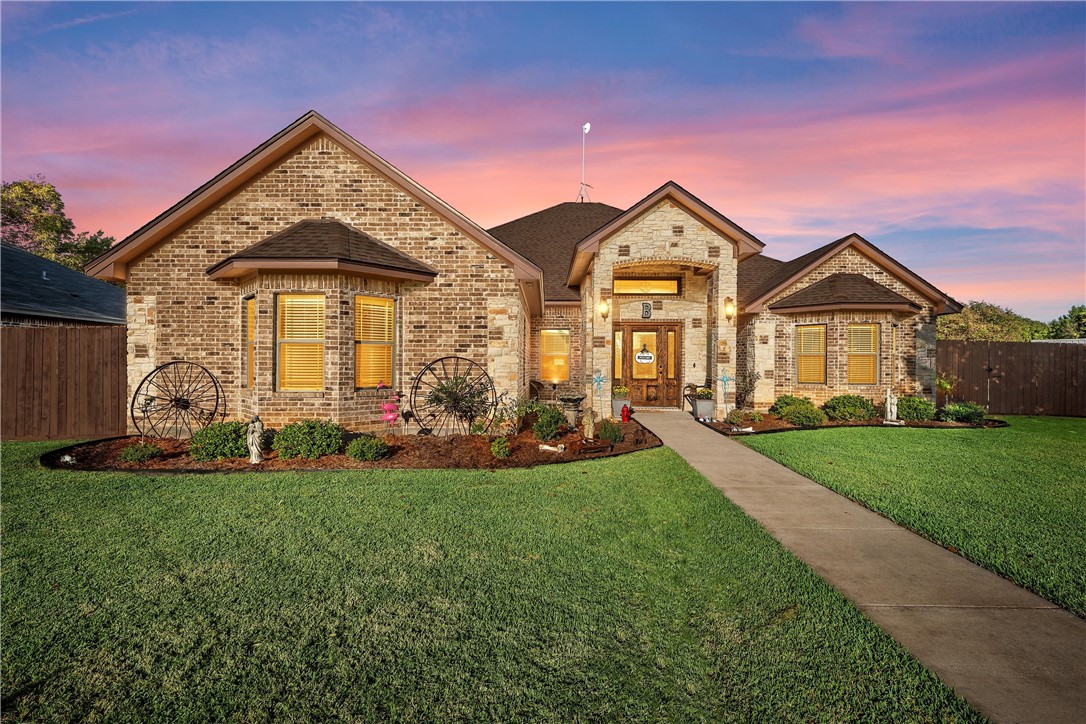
[{"x": 648, "y": 358}]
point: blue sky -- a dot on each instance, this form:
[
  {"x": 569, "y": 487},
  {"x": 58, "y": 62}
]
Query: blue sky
[{"x": 952, "y": 135}]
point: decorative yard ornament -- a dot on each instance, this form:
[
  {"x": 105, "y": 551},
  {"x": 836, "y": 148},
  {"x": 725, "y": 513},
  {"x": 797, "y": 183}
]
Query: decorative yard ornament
[
  {"x": 254, "y": 438},
  {"x": 452, "y": 395},
  {"x": 177, "y": 399},
  {"x": 626, "y": 413},
  {"x": 598, "y": 381},
  {"x": 590, "y": 424},
  {"x": 890, "y": 413},
  {"x": 724, "y": 379},
  {"x": 390, "y": 407}
]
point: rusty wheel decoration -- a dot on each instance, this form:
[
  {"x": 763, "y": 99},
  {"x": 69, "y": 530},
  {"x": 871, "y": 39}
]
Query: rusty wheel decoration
[
  {"x": 452, "y": 395},
  {"x": 176, "y": 400}
]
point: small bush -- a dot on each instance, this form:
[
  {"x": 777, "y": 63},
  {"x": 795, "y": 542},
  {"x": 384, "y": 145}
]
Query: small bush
[
  {"x": 620, "y": 392},
  {"x": 529, "y": 406},
  {"x": 915, "y": 409},
  {"x": 783, "y": 402},
  {"x": 756, "y": 416},
  {"x": 499, "y": 448},
  {"x": 611, "y": 432},
  {"x": 367, "y": 447},
  {"x": 968, "y": 412},
  {"x": 308, "y": 439},
  {"x": 705, "y": 393},
  {"x": 220, "y": 440},
  {"x": 849, "y": 407},
  {"x": 804, "y": 415},
  {"x": 140, "y": 452},
  {"x": 735, "y": 417},
  {"x": 550, "y": 423}
]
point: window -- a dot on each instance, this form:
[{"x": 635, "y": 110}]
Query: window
[
  {"x": 618, "y": 354},
  {"x": 863, "y": 354},
  {"x": 650, "y": 285},
  {"x": 811, "y": 354},
  {"x": 374, "y": 331},
  {"x": 300, "y": 340},
  {"x": 555, "y": 355},
  {"x": 249, "y": 340}
]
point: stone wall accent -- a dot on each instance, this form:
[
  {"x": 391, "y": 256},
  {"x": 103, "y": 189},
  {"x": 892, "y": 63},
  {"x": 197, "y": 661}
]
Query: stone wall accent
[
  {"x": 142, "y": 357},
  {"x": 199, "y": 320}
]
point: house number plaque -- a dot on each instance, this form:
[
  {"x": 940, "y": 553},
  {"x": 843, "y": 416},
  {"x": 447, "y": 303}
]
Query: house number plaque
[{"x": 646, "y": 311}]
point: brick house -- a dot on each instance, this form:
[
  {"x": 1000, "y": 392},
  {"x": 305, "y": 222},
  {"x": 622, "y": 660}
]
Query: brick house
[{"x": 312, "y": 269}]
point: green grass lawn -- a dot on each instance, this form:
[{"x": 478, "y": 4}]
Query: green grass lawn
[
  {"x": 626, "y": 588},
  {"x": 1013, "y": 499}
]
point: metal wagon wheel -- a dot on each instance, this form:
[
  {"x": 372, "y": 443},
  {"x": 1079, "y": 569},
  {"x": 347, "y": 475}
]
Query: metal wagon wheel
[
  {"x": 176, "y": 400},
  {"x": 450, "y": 395}
]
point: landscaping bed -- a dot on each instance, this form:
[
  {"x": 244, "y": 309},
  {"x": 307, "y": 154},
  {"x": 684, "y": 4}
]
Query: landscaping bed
[
  {"x": 772, "y": 423},
  {"x": 405, "y": 452}
]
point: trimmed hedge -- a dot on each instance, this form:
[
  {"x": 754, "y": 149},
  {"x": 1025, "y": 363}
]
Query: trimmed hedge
[
  {"x": 308, "y": 439},
  {"x": 367, "y": 447},
  {"x": 550, "y": 422},
  {"x": 849, "y": 407},
  {"x": 782, "y": 403},
  {"x": 915, "y": 409},
  {"x": 220, "y": 440},
  {"x": 140, "y": 452},
  {"x": 967, "y": 412},
  {"x": 804, "y": 415}
]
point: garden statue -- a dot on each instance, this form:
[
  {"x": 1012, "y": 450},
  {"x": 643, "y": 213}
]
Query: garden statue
[
  {"x": 890, "y": 415},
  {"x": 590, "y": 424},
  {"x": 255, "y": 440}
]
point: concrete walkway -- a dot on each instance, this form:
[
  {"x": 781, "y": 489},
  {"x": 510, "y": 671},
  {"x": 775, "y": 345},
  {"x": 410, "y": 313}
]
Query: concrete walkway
[{"x": 1014, "y": 656}]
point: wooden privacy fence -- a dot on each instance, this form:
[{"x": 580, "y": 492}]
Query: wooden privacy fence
[
  {"x": 1016, "y": 378},
  {"x": 62, "y": 382}
]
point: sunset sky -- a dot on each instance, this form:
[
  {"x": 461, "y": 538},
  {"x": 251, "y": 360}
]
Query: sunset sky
[{"x": 953, "y": 136}]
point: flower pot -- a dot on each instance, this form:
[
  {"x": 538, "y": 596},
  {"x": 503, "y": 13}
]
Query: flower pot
[
  {"x": 617, "y": 405},
  {"x": 703, "y": 409}
]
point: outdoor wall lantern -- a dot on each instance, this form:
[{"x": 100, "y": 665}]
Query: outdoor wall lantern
[
  {"x": 729, "y": 308},
  {"x": 604, "y": 308}
]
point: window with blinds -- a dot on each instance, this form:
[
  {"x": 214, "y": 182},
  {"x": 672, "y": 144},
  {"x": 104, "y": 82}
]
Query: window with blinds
[
  {"x": 863, "y": 354},
  {"x": 374, "y": 336},
  {"x": 555, "y": 355},
  {"x": 811, "y": 354},
  {"x": 300, "y": 341},
  {"x": 249, "y": 340}
]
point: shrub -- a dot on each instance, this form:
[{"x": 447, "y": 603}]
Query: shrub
[
  {"x": 499, "y": 448},
  {"x": 140, "y": 452},
  {"x": 804, "y": 415},
  {"x": 620, "y": 392},
  {"x": 705, "y": 393},
  {"x": 849, "y": 407},
  {"x": 220, "y": 440},
  {"x": 735, "y": 417},
  {"x": 783, "y": 402},
  {"x": 915, "y": 409},
  {"x": 755, "y": 416},
  {"x": 461, "y": 397},
  {"x": 551, "y": 421},
  {"x": 611, "y": 432},
  {"x": 367, "y": 447},
  {"x": 308, "y": 439},
  {"x": 968, "y": 412}
]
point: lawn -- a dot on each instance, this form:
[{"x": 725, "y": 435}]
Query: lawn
[
  {"x": 626, "y": 588},
  {"x": 1012, "y": 500}
]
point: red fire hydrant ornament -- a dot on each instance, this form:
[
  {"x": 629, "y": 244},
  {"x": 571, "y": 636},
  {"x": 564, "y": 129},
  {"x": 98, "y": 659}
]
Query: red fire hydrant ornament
[{"x": 626, "y": 413}]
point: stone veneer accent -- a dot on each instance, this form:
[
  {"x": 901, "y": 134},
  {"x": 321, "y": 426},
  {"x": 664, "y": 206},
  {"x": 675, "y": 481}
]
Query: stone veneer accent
[
  {"x": 472, "y": 309},
  {"x": 910, "y": 369},
  {"x": 649, "y": 245}
]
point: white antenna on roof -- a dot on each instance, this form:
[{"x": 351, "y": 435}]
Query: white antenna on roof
[{"x": 584, "y": 194}]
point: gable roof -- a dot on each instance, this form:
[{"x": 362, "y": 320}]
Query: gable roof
[
  {"x": 844, "y": 291},
  {"x": 550, "y": 237},
  {"x": 324, "y": 244},
  {"x": 790, "y": 272},
  {"x": 111, "y": 265},
  {"x": 37, "y": 287},
  {"x": 747, "y": 243}
]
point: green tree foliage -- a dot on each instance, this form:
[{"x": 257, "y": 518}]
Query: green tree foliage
[
  {"x": 986, "y": 322},
  {"x": 33, "y": 218},
  {"x": 1070, "y": 326}
]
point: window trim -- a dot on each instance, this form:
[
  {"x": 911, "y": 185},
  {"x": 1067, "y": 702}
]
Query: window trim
[
  {"x": 543, "y": 355},
  {"x": 391, "y": 345},
  {"x": 248, "y": 343},
  {"x": 849, "y": 353},
  {"x": 279, "y": 343},
  {"x": 677, "y": 293},
  {"x": 824, "y": 355}
]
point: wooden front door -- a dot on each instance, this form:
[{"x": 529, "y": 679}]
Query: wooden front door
[{"x": 648, "y": 358}]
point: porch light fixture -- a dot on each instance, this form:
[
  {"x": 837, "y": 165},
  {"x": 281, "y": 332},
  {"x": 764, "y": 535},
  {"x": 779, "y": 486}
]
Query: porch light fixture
[
  {"x": 604, "y": 308},
  {"x": 729, "y": 308}
]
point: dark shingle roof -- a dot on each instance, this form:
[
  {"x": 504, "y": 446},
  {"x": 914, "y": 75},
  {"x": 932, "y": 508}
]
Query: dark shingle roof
[
  {"x": 36, "y": 287},
  {"x": 548, "y": 238},
  {"x": 753, "y": 273},
  {"x": 784, "y": 272},
  {"x": 844, "y": 289},
  {"x": 312, "y": 239}
]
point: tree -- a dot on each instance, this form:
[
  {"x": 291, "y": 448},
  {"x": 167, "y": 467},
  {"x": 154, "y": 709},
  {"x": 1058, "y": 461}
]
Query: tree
[
  {"x": 33, "y": 218},
  {"x": 986, "y": 322},
  {"x": 1070, "y": 326}
]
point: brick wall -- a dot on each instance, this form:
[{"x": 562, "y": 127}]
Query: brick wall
[{"x": 472, "y": 309}]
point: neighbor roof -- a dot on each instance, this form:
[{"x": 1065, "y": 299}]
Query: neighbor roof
[
  {"x": 36, "y": 287},
  {"x": 549, "y": 238},
  {"x": 324, "y": 244},
  {"x": 844, "y": 291}
]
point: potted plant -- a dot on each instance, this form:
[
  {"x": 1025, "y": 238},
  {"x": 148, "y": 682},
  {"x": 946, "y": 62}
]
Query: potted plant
[
  {"x": 703, "y": 403},
  {"x": 620, "y": 396}
]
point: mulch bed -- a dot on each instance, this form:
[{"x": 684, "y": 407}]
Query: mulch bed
[
  {"x": 407, "y": 452},
  {"x": 772, "y": 423}
]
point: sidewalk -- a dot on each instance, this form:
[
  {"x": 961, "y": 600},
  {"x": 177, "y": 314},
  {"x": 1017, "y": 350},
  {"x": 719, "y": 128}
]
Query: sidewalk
[{"x": 1014, "y": 656}]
